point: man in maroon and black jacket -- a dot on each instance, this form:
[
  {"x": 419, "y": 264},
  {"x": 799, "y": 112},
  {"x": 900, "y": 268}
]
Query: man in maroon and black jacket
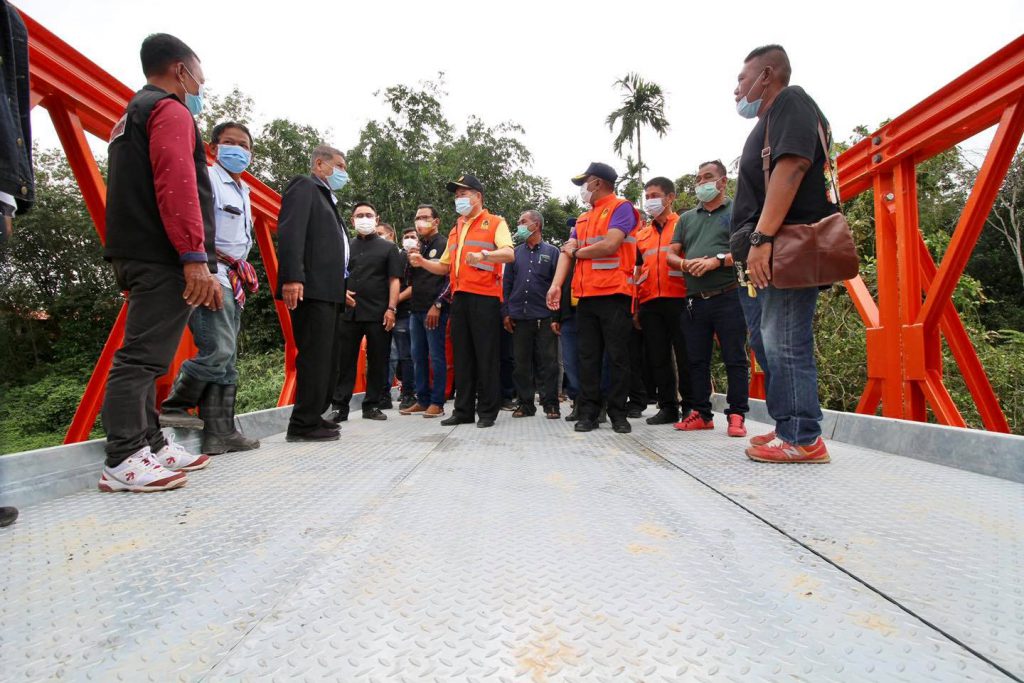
[{"x": 160, "y": 239}]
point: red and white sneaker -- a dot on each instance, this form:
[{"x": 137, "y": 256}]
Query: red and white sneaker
[
  {"x": 174, "y": 457},
  {"x": 736, "y": 425},
  {"x": 693, "y": 422},
  {"x": 763, "y": 439},
  {"x": 139, "y": 473},
  {"x": 781, "y": 451}
]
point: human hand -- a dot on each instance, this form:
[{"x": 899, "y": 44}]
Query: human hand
[
  {"x": 759, "y": 268},
  {"x": 554, "y": 297},
  {"x": 509, "y": 324},
  {"x": 201, "y": 287},
  {"x": 415, "y": 259},
  {"x": 291, "y": 292},
  {"x": 389, "y": 320},
  {"x": 636, "y": 321},
  {"x": 556, "y": 328},
  {"x": 433, "y": 318},
  {"x": 570, "y": 246},
  {"x": 350, "y": 298},
  {"x": 474, "y": 257}
]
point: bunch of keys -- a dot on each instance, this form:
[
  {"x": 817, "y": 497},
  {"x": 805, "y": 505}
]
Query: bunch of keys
[{"x": 741, "y": 276}]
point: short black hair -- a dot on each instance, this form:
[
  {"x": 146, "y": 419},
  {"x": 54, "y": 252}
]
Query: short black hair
[
  {"x": 717, "y": 163},
  {"x": 407, "y": 230},
  {"x": 775, "y": 56},
  {"x": 358, "y": 204},
  {"x": 387, "y": 226},
  {"x": 160, "y": 50},
  {"x": 666, "y": 185},
  {"x": 219, "y": 129},
  {"x": 433, "y": 210}
]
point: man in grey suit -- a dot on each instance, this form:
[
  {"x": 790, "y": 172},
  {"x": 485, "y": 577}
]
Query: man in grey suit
[{"x": 313, "y": 252}]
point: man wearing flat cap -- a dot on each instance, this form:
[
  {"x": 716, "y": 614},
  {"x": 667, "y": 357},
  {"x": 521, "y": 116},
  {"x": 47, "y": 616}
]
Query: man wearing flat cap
[
  {"x": 604, "y": 250},
  {"x": 478, "y": 246}
]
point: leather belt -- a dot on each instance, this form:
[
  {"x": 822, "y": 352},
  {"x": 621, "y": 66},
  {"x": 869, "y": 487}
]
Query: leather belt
[{"x": 713, "y": 292}]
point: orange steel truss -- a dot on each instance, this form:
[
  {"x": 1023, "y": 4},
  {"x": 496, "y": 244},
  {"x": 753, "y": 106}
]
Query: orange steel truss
[
  {"x": 905, "y": 373},
  {"x": 913, "y": 307}
]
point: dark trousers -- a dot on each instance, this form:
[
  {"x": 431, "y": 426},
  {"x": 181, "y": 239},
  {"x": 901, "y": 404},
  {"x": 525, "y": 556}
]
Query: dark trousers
[
  {"x": 476, "y": 342},
  {"x": 638, "y": 389},
  {"x": 508, "y": 362},
  {"x": 666, "y": 351},
  {"x": 156, "y": 318},
  {"x": 536, "y": 363},
  {"x": 378, "y": 351},
  {"x": 603, "y": 324},
  {"x": 720, "y": 316},
  {"x": 314, "y": 324}
]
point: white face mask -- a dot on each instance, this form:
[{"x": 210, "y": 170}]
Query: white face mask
[
  {"x": 410, "y": 243},
  {"x": 364, "y": 226},
  {"x": 585, "y": 194},
  {"x": 654, "y": 207}
]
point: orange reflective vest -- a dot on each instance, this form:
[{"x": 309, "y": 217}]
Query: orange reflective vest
[
  {"x": 656, "y": 279},
  {"x": 480, "y": 278},
  {"x": 612, "y": 274}
]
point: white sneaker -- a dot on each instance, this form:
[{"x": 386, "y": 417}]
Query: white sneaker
[
  {"x": 173, "y": 456},
  {"x": 139, "y": 473}
]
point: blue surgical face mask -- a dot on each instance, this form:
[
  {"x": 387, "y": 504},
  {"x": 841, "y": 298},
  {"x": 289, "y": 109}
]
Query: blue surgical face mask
[
  {"x": 338, "y": 179},
  {"x": 193, "y": 102},
  {"x": 522, "y": 233},
  {"x": 463, "y": 205},
  {"x": 234, "y": 158},
  {"x": 746, "y": 109}
]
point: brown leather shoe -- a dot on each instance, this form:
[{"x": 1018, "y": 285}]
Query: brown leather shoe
[
  {"x": 433, "y": 411},
  {"x": 413, "y": 409}
]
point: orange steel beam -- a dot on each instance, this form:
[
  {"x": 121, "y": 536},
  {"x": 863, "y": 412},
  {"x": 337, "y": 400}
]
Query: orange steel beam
[
  {"x": 905, "y": 363},
  {"x": 83, "y": 98}
]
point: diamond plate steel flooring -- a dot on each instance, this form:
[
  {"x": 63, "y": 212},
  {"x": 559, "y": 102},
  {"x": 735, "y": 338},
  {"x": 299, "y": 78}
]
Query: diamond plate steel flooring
[{"x": 526, "y": 552}]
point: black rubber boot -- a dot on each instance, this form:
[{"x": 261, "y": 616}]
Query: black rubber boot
[
  {"x": 185, "y": 394},
  {"x": 7, "y": 516},
  {"x": 217, "y": 408}
]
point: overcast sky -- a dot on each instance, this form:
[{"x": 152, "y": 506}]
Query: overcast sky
[{"x": 550, "y": 66}]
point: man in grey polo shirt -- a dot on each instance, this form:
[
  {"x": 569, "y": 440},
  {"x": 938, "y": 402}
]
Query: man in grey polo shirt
[
  {"x": 700, "y": 248},
  {"x": 209, "y": 378}
]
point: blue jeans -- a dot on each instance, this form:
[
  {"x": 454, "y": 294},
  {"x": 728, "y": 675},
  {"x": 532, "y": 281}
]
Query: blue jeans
[
  {"x": 786, "y": 328},
  {"x": 216, "y": 336},
  {"x": 428, "y": 353},
  {"x": 570, "y": 358}
]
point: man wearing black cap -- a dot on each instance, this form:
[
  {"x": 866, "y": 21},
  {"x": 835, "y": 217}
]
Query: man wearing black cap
[
  {"x": 604, "y": 249},
  {"x": 478, "y": 245}
]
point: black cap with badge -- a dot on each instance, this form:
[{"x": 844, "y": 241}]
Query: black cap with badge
[
  {"x": 468, "y": 182},
  {"x": 599, "y": 170}
]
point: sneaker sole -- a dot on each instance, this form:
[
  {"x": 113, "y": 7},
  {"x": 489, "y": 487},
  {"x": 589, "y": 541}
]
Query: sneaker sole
[
  {"x": 430, "y": 417},
  {"x": 108, "y": 486},
  {"x": 815, "y": 461},
  {"x": 739, "y": 436}
]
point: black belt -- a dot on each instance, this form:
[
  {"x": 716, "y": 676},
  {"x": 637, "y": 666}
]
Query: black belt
[{"x": 713, "y": 292}]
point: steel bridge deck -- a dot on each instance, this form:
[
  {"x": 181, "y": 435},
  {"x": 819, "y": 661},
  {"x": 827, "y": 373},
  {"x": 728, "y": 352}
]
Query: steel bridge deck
[{"x": 414, "y": 552}]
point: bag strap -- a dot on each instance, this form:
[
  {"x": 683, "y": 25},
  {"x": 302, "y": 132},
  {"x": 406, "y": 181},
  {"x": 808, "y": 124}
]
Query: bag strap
[{"x": 766, "y": 158}]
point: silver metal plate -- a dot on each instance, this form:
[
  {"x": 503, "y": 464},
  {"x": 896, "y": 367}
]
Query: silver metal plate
[{"x": 408, "y": 551}]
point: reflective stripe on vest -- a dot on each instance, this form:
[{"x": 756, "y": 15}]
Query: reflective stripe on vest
[
  {"x": 475, "y": 278},
  {"x": 656, "y": 280},
  {"x": 611, "y": 274}
]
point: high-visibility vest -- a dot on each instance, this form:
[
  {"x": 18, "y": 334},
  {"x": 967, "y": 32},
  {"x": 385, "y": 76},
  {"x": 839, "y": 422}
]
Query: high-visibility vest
[
  {"x": 656, "y": 279},
  {"x": 612, "y": 274},
  {"x": 479, "y": 278}
]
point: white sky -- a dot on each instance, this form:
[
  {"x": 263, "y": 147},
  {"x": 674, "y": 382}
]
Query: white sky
[{"x": 550, "y": 66}]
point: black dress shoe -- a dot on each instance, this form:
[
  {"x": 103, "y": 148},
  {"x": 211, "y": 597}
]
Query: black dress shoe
[
  {"x": 635, "y": 413},
  {"x": 664, "y": 417},
  {"x": 406, "y": 402},
  {"x": 318, "y": 434},
  {"x": 338, "y": 416},
  {"x": 509, "y": 404},
  {"x": 387, "y": 404},
  {"x": 573, "y": 415},
  {"x": 374, "y": 414},
  {"x": 456, "y": 420},
  {"x": 584, "y": 425},
  {"x": 484, "y": 423},
  {"x": 621, "y": 426},
  {"x": 327, "y": 424},
  {"x": 7, "y": 516}
]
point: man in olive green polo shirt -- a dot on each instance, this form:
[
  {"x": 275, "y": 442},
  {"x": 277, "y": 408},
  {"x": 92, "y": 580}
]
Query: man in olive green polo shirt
[{"x": 700, "y": 248}]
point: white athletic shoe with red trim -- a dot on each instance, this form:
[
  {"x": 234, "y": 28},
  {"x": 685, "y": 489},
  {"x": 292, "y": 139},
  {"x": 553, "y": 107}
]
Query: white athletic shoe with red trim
[
  {"x": 139, "y": 473},
  {"x": 173, "y": 456}
]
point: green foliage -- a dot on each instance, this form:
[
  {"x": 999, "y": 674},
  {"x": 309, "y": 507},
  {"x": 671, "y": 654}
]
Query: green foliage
[
  {"x": 643, "y": 104},
  {"x": 260, "y": 377},
  {"x": 38, "y": 414}
]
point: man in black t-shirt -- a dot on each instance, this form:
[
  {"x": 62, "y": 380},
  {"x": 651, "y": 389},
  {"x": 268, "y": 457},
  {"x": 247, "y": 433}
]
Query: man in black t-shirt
[
  {"x": 781, "y": 320},
  {"x": 374, "y": 282}
]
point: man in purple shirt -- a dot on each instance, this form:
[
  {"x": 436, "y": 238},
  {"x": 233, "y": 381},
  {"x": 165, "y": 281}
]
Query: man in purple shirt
[{"x": 528, "y": 319}]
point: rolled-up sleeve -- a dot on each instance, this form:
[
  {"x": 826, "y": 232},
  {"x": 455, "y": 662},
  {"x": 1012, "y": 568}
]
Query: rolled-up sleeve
[{"x": 172, "y": 143}]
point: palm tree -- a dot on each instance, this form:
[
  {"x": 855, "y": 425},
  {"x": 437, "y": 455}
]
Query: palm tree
[{"x": 643, "y": 104}]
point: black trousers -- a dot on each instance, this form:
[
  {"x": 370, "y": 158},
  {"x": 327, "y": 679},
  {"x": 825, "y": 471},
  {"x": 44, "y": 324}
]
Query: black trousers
[
  {"x": 662, "y": 320},
  {"x": 156, "y": 319},
  {"x": 476, "y": 342},
  {"x": 638, "y": 389},
  {"x": 378, "y": 353},
  {"x": 536, "y": 363},
  {"x": 720, "y": 316},
  {"x": 314, "y": 324},
  {"x": 603, "y": 324}
]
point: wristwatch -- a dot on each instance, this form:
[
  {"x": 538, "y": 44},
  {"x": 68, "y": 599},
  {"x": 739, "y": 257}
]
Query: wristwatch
[
  {"x": 392, "y": 309},
  {"x": 721, "y": 260},
  {"x": 437, "y": 305},
  {"x": 483, "y": 254},
  {"x": 759, "y": 238}
]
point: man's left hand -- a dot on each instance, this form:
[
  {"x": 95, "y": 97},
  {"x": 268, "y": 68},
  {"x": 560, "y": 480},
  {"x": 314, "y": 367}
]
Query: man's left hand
[
  {"x": 759, "y": 265},
  {"x": 702, "y": 266},
  {"x": 474, "y": 257}
]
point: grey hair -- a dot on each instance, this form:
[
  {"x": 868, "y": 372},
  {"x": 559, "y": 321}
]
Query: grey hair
[
  {"x": 535, "y": 216},
  {"x": 325, "y": 152}
]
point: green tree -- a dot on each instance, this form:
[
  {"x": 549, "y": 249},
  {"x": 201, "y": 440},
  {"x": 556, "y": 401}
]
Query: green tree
[{"x": 643, "y": 104}]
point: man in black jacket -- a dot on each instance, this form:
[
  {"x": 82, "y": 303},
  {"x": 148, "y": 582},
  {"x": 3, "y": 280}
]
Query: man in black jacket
[{"x": 313, "y": 253}]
